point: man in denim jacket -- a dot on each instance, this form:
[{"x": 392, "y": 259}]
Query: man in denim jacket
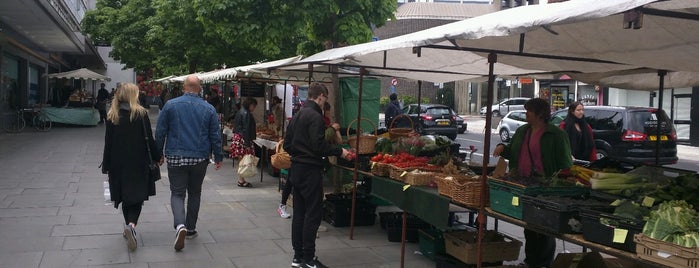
[{"x": 189, "y": 131}]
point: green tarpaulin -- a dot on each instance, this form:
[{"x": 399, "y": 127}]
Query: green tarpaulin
[
  {"x": 371, "y": 92},
  {"x": 74, "y": 116}
]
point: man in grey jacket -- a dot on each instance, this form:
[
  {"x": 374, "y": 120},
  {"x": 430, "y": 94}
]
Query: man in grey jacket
[{"x": 189, "y": 132}]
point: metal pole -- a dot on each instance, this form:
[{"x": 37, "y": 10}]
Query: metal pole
[
  {"x": 284, "y": 110},
  {"x": 661, "y": 85},
  {"x": 492, "y": 59},
  {"x": 356, "y": 159}
]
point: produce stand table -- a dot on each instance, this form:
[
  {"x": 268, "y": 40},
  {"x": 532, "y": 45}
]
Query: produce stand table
[
  {"x": 423, "y": 202},
  {"x": 264, "y": 146},
  {"x": 74, "y": 116},
  {"x": 572, "y": 238}
]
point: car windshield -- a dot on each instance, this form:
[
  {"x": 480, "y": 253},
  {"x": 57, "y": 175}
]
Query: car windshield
[
  {"x": 439, "y": 111},
  {"x": 646, "y": 121}
]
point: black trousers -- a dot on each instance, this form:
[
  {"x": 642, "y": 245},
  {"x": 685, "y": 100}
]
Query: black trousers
[
  {"x": 539, "y": 249},
  {"x": 131, "y": 212},
  {"x": 286, "y": 191},
  {"x": 307, "y": 183}
]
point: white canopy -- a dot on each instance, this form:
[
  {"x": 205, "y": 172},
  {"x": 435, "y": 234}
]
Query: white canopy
[
  {"x": 576, "y": 36},
  {"x": 259, "y": 70},
  {"x": 80, "y": 74},
  {"x": 165, "y": 80}
]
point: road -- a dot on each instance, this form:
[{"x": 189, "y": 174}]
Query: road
[{"x": 476, "y": 138}]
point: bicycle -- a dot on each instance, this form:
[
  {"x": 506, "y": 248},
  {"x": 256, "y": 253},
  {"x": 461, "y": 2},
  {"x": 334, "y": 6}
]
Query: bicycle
[{"x": 14, "y": 123}]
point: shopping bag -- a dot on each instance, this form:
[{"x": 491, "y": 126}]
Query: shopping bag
[{"x": 248, "y": 166}]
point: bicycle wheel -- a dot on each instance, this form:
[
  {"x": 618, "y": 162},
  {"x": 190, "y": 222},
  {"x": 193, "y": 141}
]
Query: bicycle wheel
[
  {"x": 13, "y": 123},
  {"x": 41, "y": 122}
]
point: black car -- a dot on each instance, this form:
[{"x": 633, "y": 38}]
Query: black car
[
  {"x": 433, "y": 119},
  {"x": 461, "y": 124},
  {"x": 629, "y": 134}
]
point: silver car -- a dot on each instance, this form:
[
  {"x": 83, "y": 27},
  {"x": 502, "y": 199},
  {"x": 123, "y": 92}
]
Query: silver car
[
  {"x": 510, "y": 123},
  {"x": 504, "y": 106}
]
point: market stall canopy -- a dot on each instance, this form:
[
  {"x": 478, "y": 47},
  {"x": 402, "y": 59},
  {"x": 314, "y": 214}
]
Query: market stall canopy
[
  {"x": 80, "y": 74},
  {"x": 238, "y": 72},
  {"x": 165, "y": 80},
  {"x": 640, "y": 79},
  {"x": 572, "y": 37}
]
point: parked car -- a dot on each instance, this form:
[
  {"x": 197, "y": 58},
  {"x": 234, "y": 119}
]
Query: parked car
[
  {"x": 504, "y": 106},
  {"x": 629, "y": 134},
  {"x": 461, "y": 123},
  {"x": 433, "y": 119},
  {"x": 510, "y": 123}
]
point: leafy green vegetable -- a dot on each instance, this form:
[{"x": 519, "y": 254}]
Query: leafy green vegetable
[{"x": 674, "y": 221}]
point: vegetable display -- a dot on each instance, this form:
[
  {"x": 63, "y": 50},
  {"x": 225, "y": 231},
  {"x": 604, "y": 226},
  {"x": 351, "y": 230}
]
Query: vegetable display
[{"x": 674, "y": 221}]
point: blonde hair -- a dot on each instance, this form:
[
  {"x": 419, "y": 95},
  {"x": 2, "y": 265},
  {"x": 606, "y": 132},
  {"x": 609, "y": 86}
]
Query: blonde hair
[{"x": 128, "y": 93}]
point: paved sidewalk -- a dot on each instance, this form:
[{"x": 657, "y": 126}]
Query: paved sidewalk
[{"x": 53, "y": 214}]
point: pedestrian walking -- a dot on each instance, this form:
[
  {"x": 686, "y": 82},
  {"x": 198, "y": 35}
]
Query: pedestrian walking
[
  {"x": 129, "y": 183},
  {"x": 582, "y": 141},
  {"x": 188, "y": 131},
  {"x": 101, "y": 105},
  {"x": 244, "y": 132},
  {"x": 305, "y": 142}
]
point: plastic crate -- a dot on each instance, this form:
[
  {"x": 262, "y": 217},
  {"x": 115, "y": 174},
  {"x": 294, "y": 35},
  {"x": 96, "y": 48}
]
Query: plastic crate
[
  {"x": 505, "y": 197},
  {"x": 666, "y": 253},
  {"x": 431, "y": 242},
  {"x": 393, "y": 223},
  {"x": 595, "y": 231},
  {"x": 497, "y": 247},
  {"x": 556, "y": 214},
  {"x": 337, "y": 210}
]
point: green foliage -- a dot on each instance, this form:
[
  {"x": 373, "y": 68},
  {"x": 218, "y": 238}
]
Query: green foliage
[
  {"x": 186, "y": 36},
  {"x": 407, "y": 100},
  {"x": 383, "y": 101}
]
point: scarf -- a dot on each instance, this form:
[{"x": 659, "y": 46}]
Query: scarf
[{"x": 581, "y": 142}]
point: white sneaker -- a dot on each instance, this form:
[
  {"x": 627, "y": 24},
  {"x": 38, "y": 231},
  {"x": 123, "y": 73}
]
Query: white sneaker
[
  {"x": 282, "y": 212},
  {"x": 179, "y": 237}
]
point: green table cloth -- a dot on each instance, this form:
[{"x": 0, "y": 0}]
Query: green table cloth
[
  {"x": 423, "y": 202},
  {"x": 74, "y": 116}
]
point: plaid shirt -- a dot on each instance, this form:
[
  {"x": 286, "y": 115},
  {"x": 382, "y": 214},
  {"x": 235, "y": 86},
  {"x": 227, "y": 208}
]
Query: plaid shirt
[{"x": 178, "y": 161}]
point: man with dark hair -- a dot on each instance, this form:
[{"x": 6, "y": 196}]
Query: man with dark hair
[
  {"x": 392, "y": 110},
  {"x": 102, "y": 97},
  {"x": 187, "y": 149},
  {"x": 305, "y": 142}
]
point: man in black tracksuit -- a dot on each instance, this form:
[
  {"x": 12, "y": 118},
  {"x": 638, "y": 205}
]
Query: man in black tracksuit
[{"x": 305, "y": 142}]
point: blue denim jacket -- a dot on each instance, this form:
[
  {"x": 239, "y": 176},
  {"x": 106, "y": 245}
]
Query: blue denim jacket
[{"x": 188, "y": 126}]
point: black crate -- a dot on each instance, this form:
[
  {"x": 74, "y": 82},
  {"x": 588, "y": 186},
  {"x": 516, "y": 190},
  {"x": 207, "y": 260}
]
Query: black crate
[
  {"x": 337, "y": 210},
  {"x": 594, "y": 231},
  {"x": 556, "y": 214},
  {"x": 393, "y": 223}
]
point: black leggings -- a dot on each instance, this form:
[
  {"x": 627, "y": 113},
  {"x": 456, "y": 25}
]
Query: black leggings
[
  {"x": 286, "y": 191},
  {"x": 131, "y": 212}
]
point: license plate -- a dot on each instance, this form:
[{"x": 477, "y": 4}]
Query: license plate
[
  {"x": 655, "y": 138},
  {"x": 443, "y": 123}
]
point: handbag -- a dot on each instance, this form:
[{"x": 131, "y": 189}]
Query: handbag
[
  {"x": 152, "y": 167},
  {"x": 248, "y": 166}
]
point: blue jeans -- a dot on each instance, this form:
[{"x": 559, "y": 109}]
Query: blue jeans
[{"x": 186, "y": 180}]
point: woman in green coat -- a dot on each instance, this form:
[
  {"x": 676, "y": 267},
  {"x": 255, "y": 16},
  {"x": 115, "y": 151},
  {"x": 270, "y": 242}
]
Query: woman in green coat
[{"x": 537, "y": 149}]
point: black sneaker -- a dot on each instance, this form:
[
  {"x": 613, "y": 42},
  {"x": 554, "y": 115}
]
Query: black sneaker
[
  {"x": 192, "y": 234},
  {"x": 296, "y": 262},
  {"x": 315, "y": 263}
]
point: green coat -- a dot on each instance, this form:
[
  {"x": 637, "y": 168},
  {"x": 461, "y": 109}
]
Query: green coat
[{"x": 555, "y": 149}]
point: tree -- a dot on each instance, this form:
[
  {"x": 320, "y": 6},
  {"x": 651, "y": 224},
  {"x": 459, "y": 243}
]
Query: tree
[{"x": 180, "y": 36}]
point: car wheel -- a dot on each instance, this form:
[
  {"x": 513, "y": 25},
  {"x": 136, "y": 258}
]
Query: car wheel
[
  {"x": 601, "y": 154},
  {"x": 462, "y": 130},
  {"x": 504, "y": 135},
  {"x": 496, "y": 113},
  {"x": 452, "y": 137}
]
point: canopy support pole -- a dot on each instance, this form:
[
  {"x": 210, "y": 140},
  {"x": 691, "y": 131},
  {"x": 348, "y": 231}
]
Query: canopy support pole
[
  {"x": 658, "y": 113},
  {"x": 356, "y": 159},
  {"x": 284, "y": 111},
  {"x": 492, "y": 59}
]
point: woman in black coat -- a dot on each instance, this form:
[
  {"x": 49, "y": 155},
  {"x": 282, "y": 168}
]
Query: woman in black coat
[{"x": 125, "y": 155}]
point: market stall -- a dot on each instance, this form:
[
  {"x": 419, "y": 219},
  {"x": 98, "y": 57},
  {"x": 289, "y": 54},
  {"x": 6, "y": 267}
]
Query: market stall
[
  {"x": 79, "y": 108},
  {"x": 74, "y": 116}
]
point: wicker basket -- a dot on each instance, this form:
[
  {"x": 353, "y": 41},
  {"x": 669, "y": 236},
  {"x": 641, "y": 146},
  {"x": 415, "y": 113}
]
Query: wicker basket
[
  {"x": 380, "y": 169},
  {"x": 444, "y": 184},
  {"x": 466, "y": 190},
  {"x": 418, "y": 178},
  {"x": 395, "y": 133},
  {"x": 396, "y": 173},
  {"x": 366, "y": 142},
  {"x": 281, "y": 159}
]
